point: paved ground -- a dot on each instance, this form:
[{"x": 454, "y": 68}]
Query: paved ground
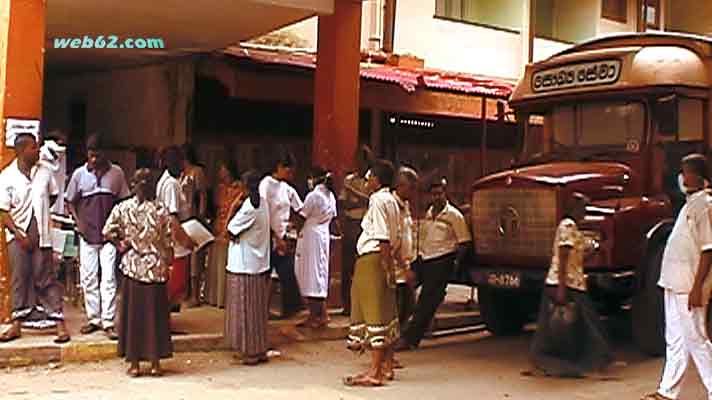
[
  {"x": 465, "y": 366},
  {"x": 203, "y": 329}
]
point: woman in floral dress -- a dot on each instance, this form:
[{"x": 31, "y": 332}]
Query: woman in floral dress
[{"x": 141, "y": 229}]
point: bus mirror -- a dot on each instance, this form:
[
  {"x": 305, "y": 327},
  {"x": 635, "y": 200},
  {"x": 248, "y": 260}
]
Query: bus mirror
[{"x": 666, "y": 112}]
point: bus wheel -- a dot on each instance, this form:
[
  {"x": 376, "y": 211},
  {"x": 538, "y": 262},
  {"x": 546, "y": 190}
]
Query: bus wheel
[
  {"x": 501, "y": 310},
  {"x": 648, "y": 311}
]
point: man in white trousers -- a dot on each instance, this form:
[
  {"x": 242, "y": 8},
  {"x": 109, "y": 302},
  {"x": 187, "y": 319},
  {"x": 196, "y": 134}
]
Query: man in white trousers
[
  {"x": 92, "y": 192},
  {"x": 685, "y": 266}
]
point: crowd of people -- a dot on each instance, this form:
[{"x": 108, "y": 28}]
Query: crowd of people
[{"x": 262, "y": 225}]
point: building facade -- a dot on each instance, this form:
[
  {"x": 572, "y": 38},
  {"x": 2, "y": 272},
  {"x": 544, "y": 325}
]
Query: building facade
[{"x": 491, "y": 37}]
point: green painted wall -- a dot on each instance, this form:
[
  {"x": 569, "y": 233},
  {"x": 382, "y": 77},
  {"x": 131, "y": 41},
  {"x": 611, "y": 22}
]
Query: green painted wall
[
  {"x": 544, "y": 23},
  {"x": 500, "y": 13}
]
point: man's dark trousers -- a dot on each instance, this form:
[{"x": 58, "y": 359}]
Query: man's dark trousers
[
  {"x": 289, "y": 289},
  {"x": 433, "y": 276}
]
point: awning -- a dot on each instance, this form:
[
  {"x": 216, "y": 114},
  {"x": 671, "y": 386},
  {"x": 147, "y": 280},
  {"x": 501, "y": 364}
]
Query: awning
[{"x": 410, "y": 79}]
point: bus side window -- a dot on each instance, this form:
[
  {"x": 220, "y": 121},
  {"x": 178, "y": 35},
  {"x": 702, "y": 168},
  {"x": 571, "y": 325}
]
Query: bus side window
[{"x": 690, "y": 126}]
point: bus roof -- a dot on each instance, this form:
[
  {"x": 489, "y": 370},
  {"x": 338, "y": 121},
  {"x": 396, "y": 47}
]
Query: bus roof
[
  {"x": 694, "y": 42},
  {"x": 616, "y": 63}
]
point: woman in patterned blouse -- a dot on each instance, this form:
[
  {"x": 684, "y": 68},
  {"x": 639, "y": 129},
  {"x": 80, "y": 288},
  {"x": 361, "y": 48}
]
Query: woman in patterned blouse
[
  {"x": 141, "y": 228},
  {"x": 570, "y": 339}
]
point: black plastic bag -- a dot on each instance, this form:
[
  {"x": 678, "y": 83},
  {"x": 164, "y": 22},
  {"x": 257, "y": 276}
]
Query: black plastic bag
[{"x": 564, "y": 334}]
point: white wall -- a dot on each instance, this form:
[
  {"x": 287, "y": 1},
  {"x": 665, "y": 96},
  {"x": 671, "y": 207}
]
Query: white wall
[
  {"x": 455, "y": 46},
  {"x": 445, "y": 44},
  {"x": 545, "y": 48},
  {"x": 309, "y": 28}
]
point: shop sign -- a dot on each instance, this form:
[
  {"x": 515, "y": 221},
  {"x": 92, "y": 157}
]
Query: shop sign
[{"x": 605, "y": 72}]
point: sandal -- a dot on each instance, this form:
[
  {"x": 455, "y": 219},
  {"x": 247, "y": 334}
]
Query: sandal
[
  {"x": 89, "y": 329},
  {"x": 133, "y": 372},
  {"x": 362, "y": 380},
  {"x": 62, "y": 334},
  {"x": 250, "y": 361},
  {"x": 62, "y": 338},
  {"x": 10, "y": 335},
  {"x": 389, "y": 375},
  {"x": 156, "y": 372}
]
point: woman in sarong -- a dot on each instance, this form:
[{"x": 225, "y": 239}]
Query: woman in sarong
[{"x": 247, "y": 293}]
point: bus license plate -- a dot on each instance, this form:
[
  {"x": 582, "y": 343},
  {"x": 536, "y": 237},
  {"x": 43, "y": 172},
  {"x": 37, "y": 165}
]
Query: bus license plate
[{"x": 509, "y": 280}]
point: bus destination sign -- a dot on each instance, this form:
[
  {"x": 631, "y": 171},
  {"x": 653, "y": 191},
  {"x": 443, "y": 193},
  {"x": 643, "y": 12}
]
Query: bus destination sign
[{"x": 572, "y": 76}]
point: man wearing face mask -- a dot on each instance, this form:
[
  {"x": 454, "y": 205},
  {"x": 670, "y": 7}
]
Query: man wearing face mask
[
  {"x": 93, "y": 190},
  {"x": 685, "y": 267}
]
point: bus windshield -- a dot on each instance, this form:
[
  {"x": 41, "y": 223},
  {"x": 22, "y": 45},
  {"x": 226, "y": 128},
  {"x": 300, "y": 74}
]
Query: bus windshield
[{"x": 571, "y": 131}]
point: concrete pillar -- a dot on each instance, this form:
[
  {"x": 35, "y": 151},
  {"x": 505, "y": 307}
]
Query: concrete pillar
[
  {"x": 528, "y": 32},
  {"x": 336, "y": 106},
  {"x": 22, "y": 38},
  {"x": 336, "y": 88}
]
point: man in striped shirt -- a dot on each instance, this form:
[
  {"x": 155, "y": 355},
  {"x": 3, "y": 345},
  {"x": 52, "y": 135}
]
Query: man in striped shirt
[{"x": 93, "y": 190}]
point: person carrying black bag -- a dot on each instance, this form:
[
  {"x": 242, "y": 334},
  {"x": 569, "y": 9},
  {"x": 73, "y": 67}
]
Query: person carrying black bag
[{"x": 570, "y": 340}]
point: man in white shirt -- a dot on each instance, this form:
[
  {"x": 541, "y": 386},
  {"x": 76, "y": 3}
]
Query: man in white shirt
[
  {"x": 34, "y": 283},
  {"x": 170, "y": 194},
  {"x": 281, "y": 200},
  {"x": 406, "y": 190},
  {"x": 92, "y": 192},
  {"x": 685, "y": 267},
  {"x": 443, "y": 244},
  {"x": 353, "y": 203},
  {"x": 374, "y": 322}
]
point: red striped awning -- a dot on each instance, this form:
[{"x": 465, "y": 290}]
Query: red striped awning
[{"x": 410, "y": 79}]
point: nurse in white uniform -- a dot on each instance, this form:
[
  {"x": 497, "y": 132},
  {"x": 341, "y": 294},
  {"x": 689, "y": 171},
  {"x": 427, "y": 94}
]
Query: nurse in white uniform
[{"x": 312, "y": 254}]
